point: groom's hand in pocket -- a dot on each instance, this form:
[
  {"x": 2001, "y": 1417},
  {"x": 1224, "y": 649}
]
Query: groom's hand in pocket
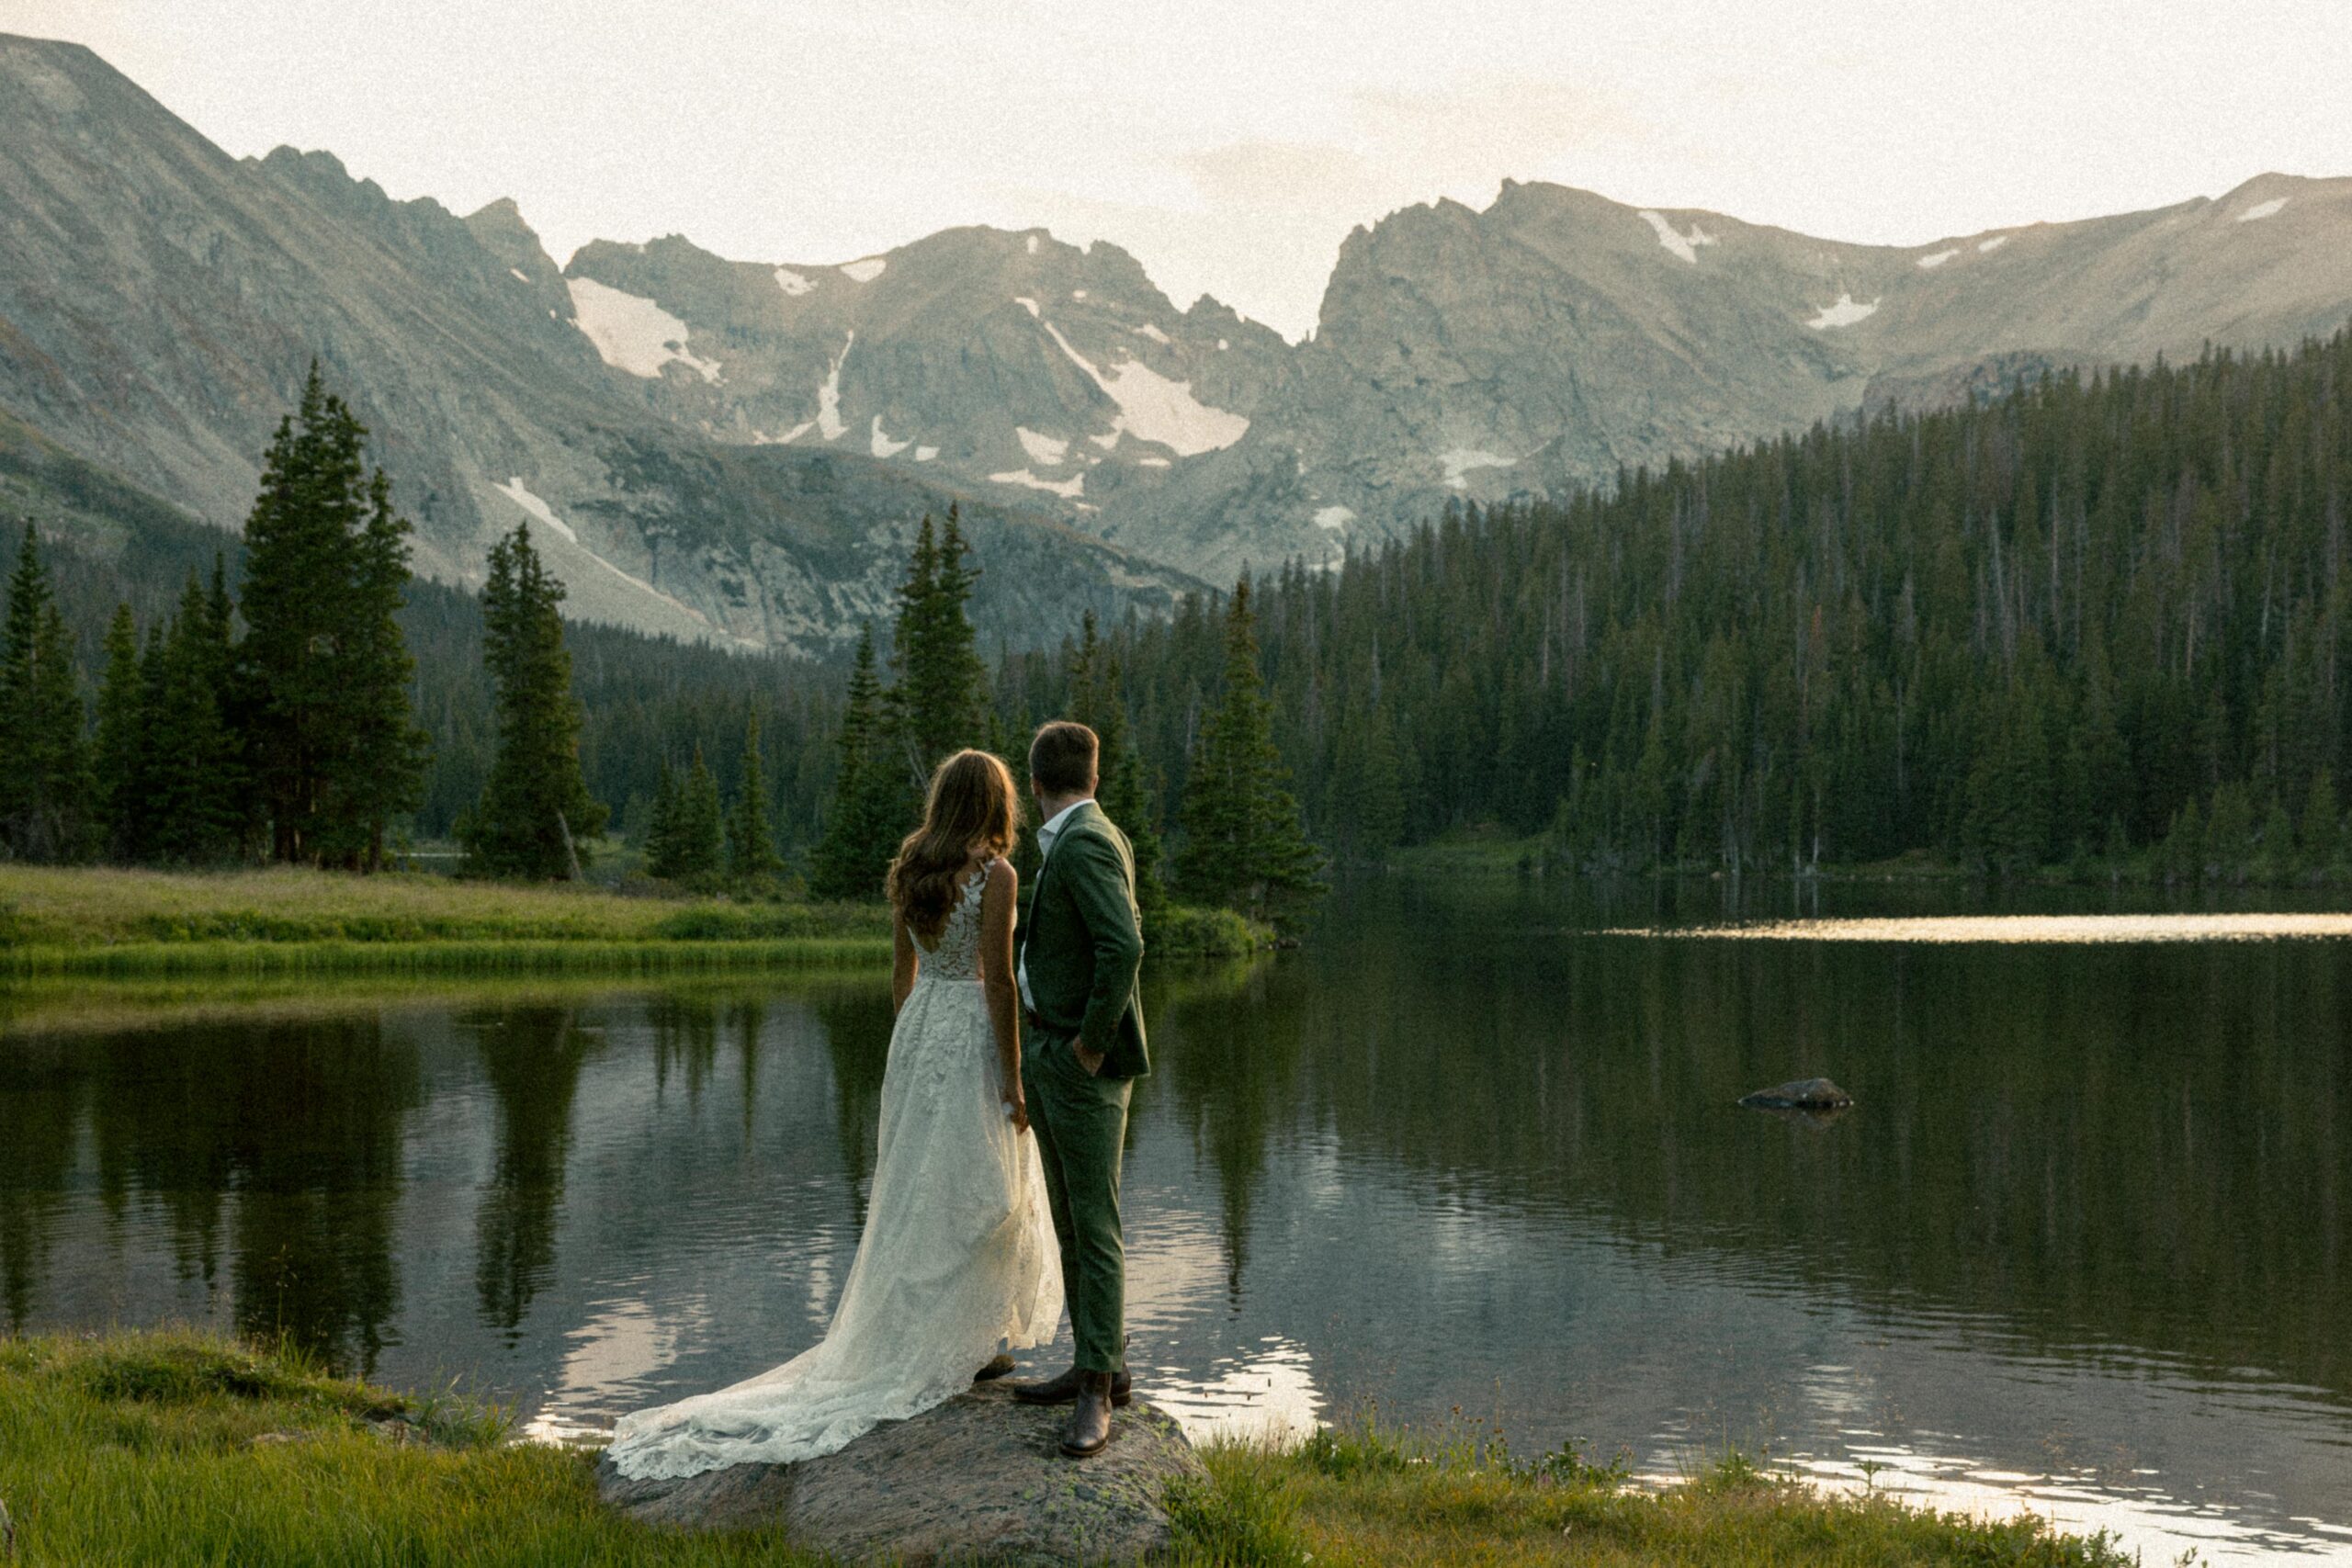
[{"x": 1090, "y": 1060}]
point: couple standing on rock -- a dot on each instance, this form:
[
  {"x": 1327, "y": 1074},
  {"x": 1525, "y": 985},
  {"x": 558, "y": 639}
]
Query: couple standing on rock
[{"x": 974, "y": 1227}]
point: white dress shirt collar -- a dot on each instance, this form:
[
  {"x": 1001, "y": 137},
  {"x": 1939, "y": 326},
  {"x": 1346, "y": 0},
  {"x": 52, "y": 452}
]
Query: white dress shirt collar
[{"x": 1053, "y": 829}]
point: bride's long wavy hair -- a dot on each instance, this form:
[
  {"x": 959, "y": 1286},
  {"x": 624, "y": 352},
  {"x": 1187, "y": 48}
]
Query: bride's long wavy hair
[{"x": 972, "y": 813}]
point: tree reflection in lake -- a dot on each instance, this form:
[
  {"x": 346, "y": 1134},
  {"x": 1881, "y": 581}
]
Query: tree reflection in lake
[
  {"x": 1464, "y": 1148},
  {"x": 531, "y": 1058}
]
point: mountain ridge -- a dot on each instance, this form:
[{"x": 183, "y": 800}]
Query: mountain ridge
[{"x": 735, "y": 450}]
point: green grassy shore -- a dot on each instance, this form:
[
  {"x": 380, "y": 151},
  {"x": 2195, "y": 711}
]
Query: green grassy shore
[
  {"x": 57, "y": 922},
  {"x": 167, "y": 1448}
]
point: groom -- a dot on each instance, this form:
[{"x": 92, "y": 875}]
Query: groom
[{"x": 1081, "y": 944}]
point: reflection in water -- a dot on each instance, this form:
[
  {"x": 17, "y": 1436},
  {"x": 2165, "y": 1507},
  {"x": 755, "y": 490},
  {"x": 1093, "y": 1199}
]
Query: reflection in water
[
  {"x": 2082, "y": 1243},
  {"x": 1264, "y": 1394},
  {"x": 38, "y": 1113},
  {"x": 857, "y": 1037},
  {"x": 2143, "y": 1517},
  {"x": 531, "y": 1058}
]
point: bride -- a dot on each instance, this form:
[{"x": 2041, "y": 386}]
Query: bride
[{"x": 958, "y": 1260}]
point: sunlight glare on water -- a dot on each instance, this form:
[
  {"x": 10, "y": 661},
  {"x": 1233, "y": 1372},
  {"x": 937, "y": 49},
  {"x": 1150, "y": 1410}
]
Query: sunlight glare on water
[{"x": 2060, "y": 929}]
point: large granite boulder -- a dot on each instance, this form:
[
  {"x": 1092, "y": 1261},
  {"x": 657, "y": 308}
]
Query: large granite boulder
[{"x": 980, "y": 1476}]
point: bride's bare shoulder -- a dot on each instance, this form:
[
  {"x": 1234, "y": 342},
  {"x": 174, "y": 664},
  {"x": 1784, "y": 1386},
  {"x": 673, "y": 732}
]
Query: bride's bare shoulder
[{"x": 1001, "y": 874}]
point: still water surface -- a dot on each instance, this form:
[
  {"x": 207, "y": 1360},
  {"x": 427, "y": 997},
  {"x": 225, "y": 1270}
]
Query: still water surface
[{"x": 2085, "y": 1246}]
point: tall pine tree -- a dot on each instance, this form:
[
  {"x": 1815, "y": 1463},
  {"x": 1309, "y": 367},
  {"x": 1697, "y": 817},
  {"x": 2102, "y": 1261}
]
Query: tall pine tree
[
  {"x": 337, "y": 755},
  {"x": 189, "y": 782},
  {"x": 1125, "y": 791},
  {"x": 751, "y": 841},
  {"x": 872, "y": 806},
  {"x": 536, "y": 809},
  {"x": 45, "y": 788},
  {"x": 1244, "y": 846},
  {"x": 121, "y": 752},
  {"x": 940, "y": 700}
]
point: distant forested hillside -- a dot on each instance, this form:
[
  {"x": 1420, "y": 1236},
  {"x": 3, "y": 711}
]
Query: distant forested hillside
[
  {"x": 110, "y": 542},
  {"x": 2095, "y": 615},
  {"x": 2063, "y": 623}
]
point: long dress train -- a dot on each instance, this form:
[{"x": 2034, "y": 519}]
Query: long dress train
[{"x": 957, "y": 1260}]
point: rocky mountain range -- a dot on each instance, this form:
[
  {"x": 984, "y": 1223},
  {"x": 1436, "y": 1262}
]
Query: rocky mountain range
[{"x": 737, "y": 449}]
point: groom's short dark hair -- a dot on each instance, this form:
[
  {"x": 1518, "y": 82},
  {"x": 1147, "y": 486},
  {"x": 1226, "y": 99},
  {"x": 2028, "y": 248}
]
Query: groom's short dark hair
[{"x": 1064, "y": 758}]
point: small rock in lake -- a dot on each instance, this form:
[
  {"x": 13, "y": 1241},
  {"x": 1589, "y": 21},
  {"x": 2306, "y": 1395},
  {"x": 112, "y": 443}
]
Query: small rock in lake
[
  {"x": 979, "y": 1477},
  {"x": 1805, "y": 1094}
]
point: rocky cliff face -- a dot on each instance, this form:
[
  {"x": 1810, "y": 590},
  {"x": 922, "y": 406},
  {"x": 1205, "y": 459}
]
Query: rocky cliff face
[
  {"x": 737, "y": 449},
  {"x": 1557, "y": 336},
  {"x": 160, "y": 303}
]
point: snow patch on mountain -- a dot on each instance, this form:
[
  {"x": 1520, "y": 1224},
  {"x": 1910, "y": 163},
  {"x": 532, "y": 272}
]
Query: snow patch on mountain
[
  {"x": 881, "y": 446},
  {"x": 2261, "y": 210},
  {"x": 632, "y": 334},
  {"x": 1844, "y": 313},
  {"x": 1033, "y": 244},
  {"x": 1068, "y": 489},
  {"x": 864, "y": 270},
  {"x": 1025, "y": 303},
  {"x": 1458, "y": 461},
  {"x": 1157, "y": 409},
  {"x": 792, "y": 282},
  {"x": 1681, "y": 244},
  {"x": 1995, "y": 244},
  {"x": 1154, "y": 333},
  {"x": 1334, "y": 517},
  {"x": 518, "y": 275},
  {"x": 1048, "y": 450},
  {"x": 829, "y": 396},
  {"x": 516, "y": 491},
  {"x": 1930, "y": 263},
  {"x": 925, "y": 453}
]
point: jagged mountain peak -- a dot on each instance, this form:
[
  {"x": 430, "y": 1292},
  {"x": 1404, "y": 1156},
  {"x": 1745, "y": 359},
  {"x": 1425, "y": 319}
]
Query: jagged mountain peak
[{"x": 720, "y": 447}]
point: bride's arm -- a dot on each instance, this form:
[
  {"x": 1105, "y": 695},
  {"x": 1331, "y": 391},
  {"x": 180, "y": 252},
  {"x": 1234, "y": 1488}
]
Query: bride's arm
[
  {"x": 902, "y": 961},
  {"x": 997, "y": 905}
]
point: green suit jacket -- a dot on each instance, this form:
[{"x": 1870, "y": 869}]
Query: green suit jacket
[{"x": 1083, "y": 942}]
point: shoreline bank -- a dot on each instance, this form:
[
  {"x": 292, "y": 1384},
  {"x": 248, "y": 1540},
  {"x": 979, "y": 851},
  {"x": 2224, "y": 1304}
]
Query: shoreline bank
[{"x": 170, "y": 1447}]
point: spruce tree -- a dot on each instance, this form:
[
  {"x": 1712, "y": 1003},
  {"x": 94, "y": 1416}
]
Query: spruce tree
[
  {"x": 335, "y": 753},
  {"x": 1125, "y": 791},
  {"x": 121, "y": 762},
  {"x": 2317, "y": 835},
  {"x": 189, "y": 781},
  {"x": 536, "y": 811},
  {"x": 872, "y": 807},
  {"x": 661, "y": 837},
  {"x": 701, "y": 823},
  {"x": 940, "y": 698},
  {"x": 45, "y": 789},
  {"x": 751, "y": 841},
  {"x": 1244, "y": 846}
]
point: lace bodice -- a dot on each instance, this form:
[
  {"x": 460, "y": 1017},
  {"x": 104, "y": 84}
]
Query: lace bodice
[{"x": 957, "y": 956}]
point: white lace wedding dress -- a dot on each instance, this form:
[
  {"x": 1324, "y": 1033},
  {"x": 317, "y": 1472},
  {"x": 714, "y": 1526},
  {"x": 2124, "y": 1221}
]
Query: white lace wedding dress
[{"x": 957, "y": 1260}]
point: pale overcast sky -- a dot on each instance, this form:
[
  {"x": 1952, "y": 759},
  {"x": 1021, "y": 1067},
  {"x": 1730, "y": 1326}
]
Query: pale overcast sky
[{"x": 1231, "y": 144}]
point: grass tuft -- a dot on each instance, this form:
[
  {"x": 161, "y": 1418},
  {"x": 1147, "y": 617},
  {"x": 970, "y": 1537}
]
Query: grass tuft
[{"x": 171, "y": 1448}]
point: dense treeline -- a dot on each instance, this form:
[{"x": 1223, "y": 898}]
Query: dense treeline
[
  {"x": 2101, "y": 615},
  {"x": 2102, "y": 618}
]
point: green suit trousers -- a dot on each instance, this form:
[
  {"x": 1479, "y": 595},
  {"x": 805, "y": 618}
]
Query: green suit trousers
[{"x": 1080, "y": 1121}]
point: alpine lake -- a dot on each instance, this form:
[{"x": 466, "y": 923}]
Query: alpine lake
[{"x": 1468, "y": 1158}]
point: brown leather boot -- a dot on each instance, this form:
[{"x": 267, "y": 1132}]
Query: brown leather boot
[
  {"x": 1063, "y": 1389},
  {"x": 1089, "y": 1431}
]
